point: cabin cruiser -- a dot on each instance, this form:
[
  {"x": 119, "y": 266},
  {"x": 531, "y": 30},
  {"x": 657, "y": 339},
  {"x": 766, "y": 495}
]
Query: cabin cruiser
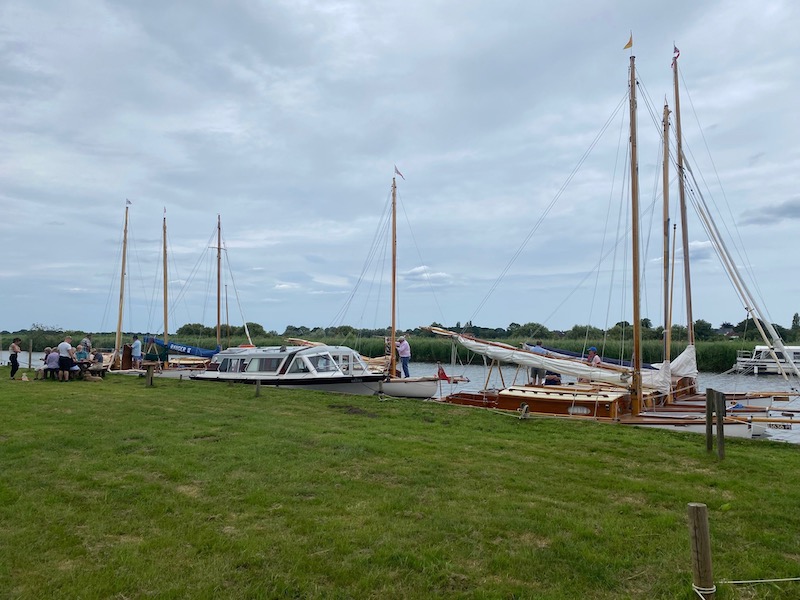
[
  {"x": 319, "y": 367},
  {"x": 761, "y": 361}
]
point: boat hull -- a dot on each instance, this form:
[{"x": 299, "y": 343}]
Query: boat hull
[
  {"x": 410, "y": 387},
  {"x": 357, "y": 386},
  {"x": 567, "y": 401}
]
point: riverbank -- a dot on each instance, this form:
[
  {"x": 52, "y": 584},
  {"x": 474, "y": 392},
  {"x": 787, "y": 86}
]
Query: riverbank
[
  {"x": 114, "y": 489},
  {"x": 712, "y": 357}
]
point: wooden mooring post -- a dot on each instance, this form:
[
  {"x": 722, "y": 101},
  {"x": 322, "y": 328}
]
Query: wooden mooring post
[
  {"x": 702, "y": 571},
  {"x": 258, "y": 388},
  {"x": 715, "y": 403}
]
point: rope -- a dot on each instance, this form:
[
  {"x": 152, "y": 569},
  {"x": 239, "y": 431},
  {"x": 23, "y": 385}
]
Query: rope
[
  {"x": 702, "y": 592},
  {"x": 749, "y": 581}
]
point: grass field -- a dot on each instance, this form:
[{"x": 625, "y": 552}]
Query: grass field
[{"x": 201, "y": 490}]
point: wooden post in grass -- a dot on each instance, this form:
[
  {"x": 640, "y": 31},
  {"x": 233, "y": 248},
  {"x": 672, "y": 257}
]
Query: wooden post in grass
[
  {"x": 715, "y": 404},
  {"x": 700, "y": 538},
  {"x": 258, "y": 388},
  {"x": 149, "y": 376},
  {"x": 720, "y": 408},
  {"x": 30, "y": 354},
  {"x": 709, "y": 419}
]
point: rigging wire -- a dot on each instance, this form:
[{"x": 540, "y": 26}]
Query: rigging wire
[
  {"x": 741, "y": 248},
  {"x": 426, "y": 273},
  {"x": 377, "y": 249},
  {"x": 549, "y": 207}
]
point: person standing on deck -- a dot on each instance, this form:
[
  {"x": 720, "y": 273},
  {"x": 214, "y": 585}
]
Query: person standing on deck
[
  {"x": 136, "y": 352},
  {"x": 593, "y": 360},
  {"x": 404, "y": 351},
  {"x": 538, "y": 374},
  {"x": 13, "y": 356}
]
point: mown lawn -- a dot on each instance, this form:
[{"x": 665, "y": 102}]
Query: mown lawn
[{"x": 202, "y": 490}]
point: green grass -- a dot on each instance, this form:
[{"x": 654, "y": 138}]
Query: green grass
[{"x": 202, "y": 490}]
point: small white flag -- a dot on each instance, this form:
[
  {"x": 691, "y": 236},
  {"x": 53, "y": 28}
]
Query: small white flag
[{"x": 396, "y": 170}]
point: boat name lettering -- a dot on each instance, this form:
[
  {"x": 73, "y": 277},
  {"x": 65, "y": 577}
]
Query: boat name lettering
[{"x": 779, "y": 425}]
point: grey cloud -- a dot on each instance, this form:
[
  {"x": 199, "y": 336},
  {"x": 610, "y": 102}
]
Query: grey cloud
[{"x": 788, "y": 210}]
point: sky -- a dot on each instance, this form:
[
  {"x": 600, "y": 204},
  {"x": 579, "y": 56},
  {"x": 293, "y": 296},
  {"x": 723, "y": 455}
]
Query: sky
[{"x": 287, "y": 119}]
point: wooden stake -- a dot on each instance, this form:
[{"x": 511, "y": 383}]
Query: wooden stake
[
  {"x": 709, "y": 419},
  {"x": 720, "y": 402},
  {"x": 700, "y": 538}
]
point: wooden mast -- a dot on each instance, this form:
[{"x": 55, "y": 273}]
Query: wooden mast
[
  {"x": 166, "y": 298},
  {"x": 636, "y": 382},
  {"x": 682, "y": 195},
  {"x": 117, "y": 356},
  {"x": 392, "y": 349},
  {"x": 667, "y": 287},
  {"x": 219, "y": 279},
  {"x": 666, "y": 257}
]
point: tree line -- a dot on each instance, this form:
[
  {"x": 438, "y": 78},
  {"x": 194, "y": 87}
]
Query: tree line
[{"x": 42, "y": 335}]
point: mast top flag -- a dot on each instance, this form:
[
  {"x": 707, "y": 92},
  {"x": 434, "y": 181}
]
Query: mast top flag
[{"x": 629, "y": 44}]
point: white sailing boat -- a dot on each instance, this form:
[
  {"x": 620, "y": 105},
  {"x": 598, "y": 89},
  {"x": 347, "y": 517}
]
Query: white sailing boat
[{"x": 394, "y": 385}]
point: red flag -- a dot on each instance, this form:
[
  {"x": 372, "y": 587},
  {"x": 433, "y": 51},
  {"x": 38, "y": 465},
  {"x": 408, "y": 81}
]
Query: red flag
[{"x": 442, "y": 375}]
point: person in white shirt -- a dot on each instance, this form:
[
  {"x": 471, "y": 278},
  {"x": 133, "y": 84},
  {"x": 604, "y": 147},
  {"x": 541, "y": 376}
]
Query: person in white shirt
[
  {"x": 66, "y": 358},
  {"x": 136, "y": 352},
  {"x": 404, "y": 351}
]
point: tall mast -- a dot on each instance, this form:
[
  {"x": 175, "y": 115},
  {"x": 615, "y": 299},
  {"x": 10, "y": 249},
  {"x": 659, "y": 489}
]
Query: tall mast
[
  {"x": 219, "y": 278},
  {"x": 166, "y": 298},
  {"x": 682, "y": 194},
  {"x": 636, "y": 383},
  {"x": 393, "y": 361},
  {"x": 666, "y": 259},
  {"x": 118, "y": 338}
]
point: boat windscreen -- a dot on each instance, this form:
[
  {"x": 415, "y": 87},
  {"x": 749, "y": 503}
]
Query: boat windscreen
[{"x": 322, "y": 363}]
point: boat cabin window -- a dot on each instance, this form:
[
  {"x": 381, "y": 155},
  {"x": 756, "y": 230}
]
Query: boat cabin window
[
  {"x": 796, "y": 356},
  {"x": 323, "y": 363},
  {"x": 264, "y": 365},
  {"x": 298, "y": 366},
  {"x": 779, "y": 355},
  {"x": 343, "y": 360},
  {"x": 232, "y": 365}
]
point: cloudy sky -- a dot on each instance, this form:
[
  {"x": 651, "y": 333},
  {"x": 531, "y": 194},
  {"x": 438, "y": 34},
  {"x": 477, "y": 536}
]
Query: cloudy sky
[{"x": 287, "y": 117}]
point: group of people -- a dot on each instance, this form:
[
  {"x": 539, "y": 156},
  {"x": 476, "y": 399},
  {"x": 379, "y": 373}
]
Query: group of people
[{"x": 65, "y": 362}]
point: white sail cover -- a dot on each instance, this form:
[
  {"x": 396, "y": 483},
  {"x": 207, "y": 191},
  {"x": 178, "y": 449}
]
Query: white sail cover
[
  {"x": 655, "y": 379},
  {"x": 685, "y": 364}
]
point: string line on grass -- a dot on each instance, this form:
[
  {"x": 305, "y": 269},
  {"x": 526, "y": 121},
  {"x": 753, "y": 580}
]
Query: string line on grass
[{"x": 746, "y": 581}]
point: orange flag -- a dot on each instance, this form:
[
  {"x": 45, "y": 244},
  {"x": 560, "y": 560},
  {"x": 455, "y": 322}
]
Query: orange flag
[{"x": 629, "y": 44}]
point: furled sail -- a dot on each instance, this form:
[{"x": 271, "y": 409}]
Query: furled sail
[{"x": 655, "y": 379}]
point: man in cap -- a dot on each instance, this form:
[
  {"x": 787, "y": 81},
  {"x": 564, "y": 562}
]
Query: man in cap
[{"x": 404, "y": 351}]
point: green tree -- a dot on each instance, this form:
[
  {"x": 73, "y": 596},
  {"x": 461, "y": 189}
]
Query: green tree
[
  {"x": 292, "y": 331},
  {"x": 191, "y": 330},
  {"x": 579, "y": 332},
  {"x": 256, "y": 330},
  {"x": 703, "y": 330}
]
